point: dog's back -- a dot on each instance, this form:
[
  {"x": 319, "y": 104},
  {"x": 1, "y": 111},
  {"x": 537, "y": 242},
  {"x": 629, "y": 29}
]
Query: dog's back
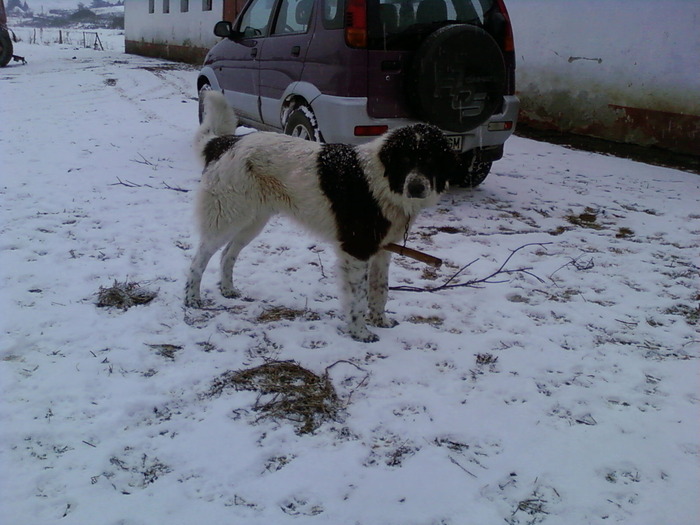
[{"x": 219, "y": 120}]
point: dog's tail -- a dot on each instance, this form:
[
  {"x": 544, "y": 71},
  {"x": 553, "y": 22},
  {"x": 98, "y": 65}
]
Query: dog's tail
[{"x": 218, "y": 119}]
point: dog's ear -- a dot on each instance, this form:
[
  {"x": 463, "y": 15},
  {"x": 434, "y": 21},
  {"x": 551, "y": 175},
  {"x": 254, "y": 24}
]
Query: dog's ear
[
  {"x": 398, "y": 155},
  {"x": 445, "y": 166},
  {"x": 437, "y": 160}
]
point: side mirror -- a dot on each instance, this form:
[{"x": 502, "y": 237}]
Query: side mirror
[{"x": 224, "y": 29}]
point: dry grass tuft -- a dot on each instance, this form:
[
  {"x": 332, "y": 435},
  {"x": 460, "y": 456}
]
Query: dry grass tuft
[
  {"x": 624, "y": 233},
  {"x": 286, "y": 391},
  {"x": 587, "y": 219},
  {"x": 124, "y": 295},
  {"x": 691, "y": 314},
  {"x": 166, "y": 350},
  {"x": 486, "y": 359},
  {"x": 432, "y": 320},
  {"x": 282, "y": 313}
]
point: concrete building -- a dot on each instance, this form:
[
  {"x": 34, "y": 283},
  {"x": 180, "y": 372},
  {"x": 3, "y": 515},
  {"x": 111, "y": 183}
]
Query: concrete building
[
  {"x": 624, "y": 70},
  {"x": 175, "y": 29}
]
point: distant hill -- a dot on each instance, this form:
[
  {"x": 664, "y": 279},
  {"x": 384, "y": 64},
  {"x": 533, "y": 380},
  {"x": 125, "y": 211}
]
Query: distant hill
[{"x": 99, "y": 14}]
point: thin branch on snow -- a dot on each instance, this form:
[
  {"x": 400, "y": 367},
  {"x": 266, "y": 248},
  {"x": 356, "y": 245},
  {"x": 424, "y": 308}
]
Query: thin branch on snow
[
  {"x": 580, "y": 266},
  {"x": 359, "y": 385},
  {"x": 145, "y": 161},
  {"x": 130, "y": 184},
  {"x": 168, "y": 187},
  {"x": 455, "y": 462},
  {"x": 501, "y": 271}
]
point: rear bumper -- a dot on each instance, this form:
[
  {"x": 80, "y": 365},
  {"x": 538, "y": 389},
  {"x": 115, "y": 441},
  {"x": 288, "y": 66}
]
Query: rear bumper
[{"x": 338, "y": 117}]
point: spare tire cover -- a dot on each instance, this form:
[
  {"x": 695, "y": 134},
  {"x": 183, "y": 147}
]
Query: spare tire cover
[
  {"x": 457, "y": 78},
  {"x": 5, "y": 47}
]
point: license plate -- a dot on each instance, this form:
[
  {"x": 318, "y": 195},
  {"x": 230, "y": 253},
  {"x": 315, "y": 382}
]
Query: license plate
[{"x": 455, "y": 141}]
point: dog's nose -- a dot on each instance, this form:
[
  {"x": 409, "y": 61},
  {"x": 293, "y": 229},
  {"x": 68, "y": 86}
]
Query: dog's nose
[{"x": 416, "y": 189}]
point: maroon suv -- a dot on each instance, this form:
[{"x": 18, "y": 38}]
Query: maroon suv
[{"x": 348, "y": 70}]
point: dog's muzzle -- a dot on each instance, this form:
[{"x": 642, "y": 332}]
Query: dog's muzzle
[{"x": 417, "y": 187}]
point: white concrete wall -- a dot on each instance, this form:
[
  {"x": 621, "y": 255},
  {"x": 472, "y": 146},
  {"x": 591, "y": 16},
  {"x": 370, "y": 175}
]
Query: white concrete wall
[
  {"x": 192, "y": 29},
  {"x": 577, "y": 58}
]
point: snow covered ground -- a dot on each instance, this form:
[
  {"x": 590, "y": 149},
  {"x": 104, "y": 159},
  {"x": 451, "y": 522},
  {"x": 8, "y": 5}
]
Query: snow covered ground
[{"x": 568, "y": 399}]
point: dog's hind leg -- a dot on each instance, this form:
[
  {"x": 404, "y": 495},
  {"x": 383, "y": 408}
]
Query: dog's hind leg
[
  {"x": 355, "y": 278},
  {"x": 207, "y": 248},
  {"x": 378, "y": 290},
  {"x": 240, "y": 240}
]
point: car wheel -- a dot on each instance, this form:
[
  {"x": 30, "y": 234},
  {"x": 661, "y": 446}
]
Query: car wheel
[
  {"x": 5, "y": 47},
  {"x": 302, "y": 123},
  {"x": 457, "y": 78},
  {"x": 475, "y": 170},
  {"x": 202, "y": 90}
]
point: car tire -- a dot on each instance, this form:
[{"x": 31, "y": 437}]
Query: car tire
[
  {"x": 475, "y": 170},
  {"x": 302, "y": 123},
  {"x": 205, "y": 87},
  {"x": 6, "y": 48},
  {"x": 460, "y": 54}
]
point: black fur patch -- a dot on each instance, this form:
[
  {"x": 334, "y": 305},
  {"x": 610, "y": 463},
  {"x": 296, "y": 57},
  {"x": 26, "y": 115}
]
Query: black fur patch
[
  {"x": 218, "y": 146},
  {"x": 422, "y": 148},
  {"x": 360, "y": 221}
]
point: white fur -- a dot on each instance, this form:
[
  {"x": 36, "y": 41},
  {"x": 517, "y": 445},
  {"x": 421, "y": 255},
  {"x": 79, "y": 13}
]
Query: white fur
[
  {"x": 269, "y": 173},
  {"x": 215, "y": 123}
]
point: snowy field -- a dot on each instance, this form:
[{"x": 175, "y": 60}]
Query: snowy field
[{"x": 565, "y": 394}]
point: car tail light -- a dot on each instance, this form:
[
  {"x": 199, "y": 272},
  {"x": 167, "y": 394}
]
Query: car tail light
[
  {"x": 508, "y": 41},
  {"x": 508, "y": 46},
  {"x": 356, "y": 23},
  {"x": 370, "y": 131}
]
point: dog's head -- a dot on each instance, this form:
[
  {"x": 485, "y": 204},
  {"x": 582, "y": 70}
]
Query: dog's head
[{"x": 418, "y": 161}]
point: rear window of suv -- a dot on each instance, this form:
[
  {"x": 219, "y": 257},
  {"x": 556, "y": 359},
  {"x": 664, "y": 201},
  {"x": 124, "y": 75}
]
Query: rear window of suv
[{"x": 402, "y": 24}]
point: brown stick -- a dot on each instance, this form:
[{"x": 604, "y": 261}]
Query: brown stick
[{"x": 414, "y": 254}]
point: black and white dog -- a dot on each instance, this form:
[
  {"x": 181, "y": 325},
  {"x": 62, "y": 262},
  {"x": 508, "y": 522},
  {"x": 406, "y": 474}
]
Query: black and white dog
[{"x": 360, "y": 198}]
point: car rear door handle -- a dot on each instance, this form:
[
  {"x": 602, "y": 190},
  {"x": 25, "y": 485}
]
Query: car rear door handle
[{"x": 296, "y": 51}]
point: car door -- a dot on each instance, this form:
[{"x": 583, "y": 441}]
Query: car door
[
  {"x": 282, "y": 56},
  {"x": 239, "y": 73}
]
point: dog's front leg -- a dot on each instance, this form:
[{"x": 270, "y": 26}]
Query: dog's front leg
[
  {"x": 379, "y": 290},
  {"x": 355, "y": 278}
]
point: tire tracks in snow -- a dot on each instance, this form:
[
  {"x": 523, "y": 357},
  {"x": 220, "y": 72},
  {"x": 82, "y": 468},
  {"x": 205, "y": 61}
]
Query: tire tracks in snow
[{"x": 144, "y": 84}]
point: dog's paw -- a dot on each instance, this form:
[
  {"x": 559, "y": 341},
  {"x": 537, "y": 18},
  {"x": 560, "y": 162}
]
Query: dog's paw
[
  {"x": 368, "y": 338},
  {"x": 200, "y": 304},
  {"x": 191, "y": 302},
  {"x": 229, "y": 293},
  {"x": 381, "y": 321},
  {"x": 195, "y": 301},
  {"x": 362, "y": 335}
]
